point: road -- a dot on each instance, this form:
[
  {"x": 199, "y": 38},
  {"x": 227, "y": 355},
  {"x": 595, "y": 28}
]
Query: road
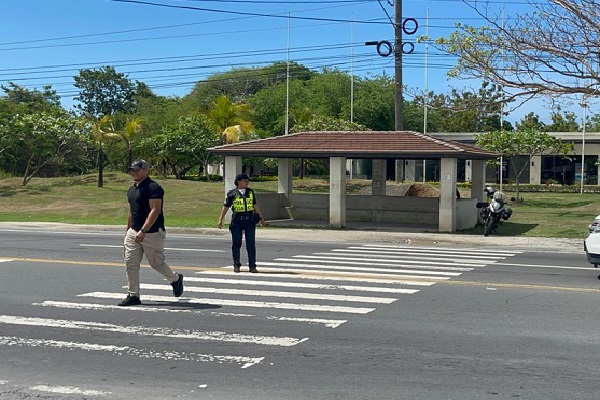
[{"x": 322, "y": 320}]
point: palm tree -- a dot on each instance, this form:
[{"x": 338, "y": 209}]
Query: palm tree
[
  {"x": 133, "y": 127},
  {"x": 102, "y": 129},
  {"x": 230, "y": 121}
]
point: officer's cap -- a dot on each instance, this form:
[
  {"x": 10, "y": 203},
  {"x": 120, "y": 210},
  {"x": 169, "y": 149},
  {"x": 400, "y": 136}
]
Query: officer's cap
[{"x": 240, "y": 177}]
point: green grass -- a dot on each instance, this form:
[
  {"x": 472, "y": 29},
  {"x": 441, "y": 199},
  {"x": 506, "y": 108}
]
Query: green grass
[{"x": 192, "y": 204}]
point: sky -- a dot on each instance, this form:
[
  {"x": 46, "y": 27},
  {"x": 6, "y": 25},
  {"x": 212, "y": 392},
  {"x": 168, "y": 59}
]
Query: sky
[{"x": 172, "y": 44}]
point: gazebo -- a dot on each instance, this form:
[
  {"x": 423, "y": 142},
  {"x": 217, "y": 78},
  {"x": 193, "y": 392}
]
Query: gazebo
[{"x": 447, "y": 212}]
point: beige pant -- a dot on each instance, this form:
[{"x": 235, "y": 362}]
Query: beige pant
[{"x": 154, "y": 247}]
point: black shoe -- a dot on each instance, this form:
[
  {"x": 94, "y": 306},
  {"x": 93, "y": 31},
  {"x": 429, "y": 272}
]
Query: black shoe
[
  {"x": 178, "y": 286},
  {"x": 131, "y": 301},
  {"x": 253, "y": 270},
  {"x": 236, "y": 269}
]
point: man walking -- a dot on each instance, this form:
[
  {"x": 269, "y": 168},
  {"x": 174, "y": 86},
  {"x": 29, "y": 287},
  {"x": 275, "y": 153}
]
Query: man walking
[{"x": 145, "y": 233}]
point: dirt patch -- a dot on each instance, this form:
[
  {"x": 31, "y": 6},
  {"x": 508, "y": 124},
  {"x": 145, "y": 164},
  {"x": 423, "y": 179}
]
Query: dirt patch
[{"x": 422, "y": 190}]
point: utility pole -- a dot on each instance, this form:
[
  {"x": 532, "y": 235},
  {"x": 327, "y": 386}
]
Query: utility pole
[{"x": 399, "y": 105}]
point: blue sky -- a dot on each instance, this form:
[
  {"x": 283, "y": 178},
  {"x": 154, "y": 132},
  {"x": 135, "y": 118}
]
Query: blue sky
[{"x": 171, "y": 44}]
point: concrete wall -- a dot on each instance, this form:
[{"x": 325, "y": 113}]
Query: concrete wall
[
  {"x": 466, "y": 213},
  {"x": 386, "y": 209},
  {"x": 390, "y": 209}
]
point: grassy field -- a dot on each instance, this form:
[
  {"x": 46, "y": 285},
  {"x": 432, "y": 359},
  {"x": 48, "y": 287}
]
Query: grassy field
[{"x": 78, "y": 200}]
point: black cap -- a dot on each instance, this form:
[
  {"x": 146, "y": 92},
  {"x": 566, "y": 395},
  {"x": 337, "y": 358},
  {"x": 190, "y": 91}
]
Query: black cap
[
  {"x": 239, "y": 178},
  {"x": 142, "y": 164}
]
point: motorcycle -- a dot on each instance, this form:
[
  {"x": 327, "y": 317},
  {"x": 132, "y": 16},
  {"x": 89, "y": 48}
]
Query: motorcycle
[{"x": 494, "y": 212}]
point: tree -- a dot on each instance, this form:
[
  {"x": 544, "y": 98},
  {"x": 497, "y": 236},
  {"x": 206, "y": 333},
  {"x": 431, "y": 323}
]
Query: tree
[
  {"x": 44, "y": 138},
  {"x": 131, "y": 131},
  {"x": 104, "y": 92},
  {"x": 184, "y": 145},
  {"x": 330, "y": 93},
  {"x": 374, "y": 103},
  {"x": 229, "y": 120},
  {"x": 463, "y": 111},
  {"x": 269, "y": 107},
  {"x": 102, "y": 129},
  {"x": 522, "y": 143},
  {"x": 531, "y": 122},
  {"x": 552, "y": 50},
  {"x": 324, "y": 123},
  {"x": 565, "y": 122},
  {"x": 240, "y": 84},
  {"x": 32, "y": 100}
]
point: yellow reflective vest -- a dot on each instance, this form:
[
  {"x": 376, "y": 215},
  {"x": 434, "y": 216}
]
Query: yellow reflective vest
[{"x": 243, "y": 203}]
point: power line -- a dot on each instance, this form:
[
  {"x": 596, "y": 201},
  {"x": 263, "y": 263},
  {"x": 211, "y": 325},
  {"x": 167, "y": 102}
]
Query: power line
[{"x": 149, "y": 3}]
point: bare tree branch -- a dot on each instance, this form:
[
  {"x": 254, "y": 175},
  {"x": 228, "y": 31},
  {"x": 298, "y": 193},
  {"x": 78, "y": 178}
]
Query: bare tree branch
[{"x": 554, "y": 50}]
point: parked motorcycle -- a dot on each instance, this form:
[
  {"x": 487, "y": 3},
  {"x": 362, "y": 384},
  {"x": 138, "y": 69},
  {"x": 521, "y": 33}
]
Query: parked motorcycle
[{"x": 494, "y": 212}]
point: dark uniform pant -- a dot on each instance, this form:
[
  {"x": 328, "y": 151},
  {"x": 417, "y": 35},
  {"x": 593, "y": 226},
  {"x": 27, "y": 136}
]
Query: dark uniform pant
[{"x": 243, "y": 226}]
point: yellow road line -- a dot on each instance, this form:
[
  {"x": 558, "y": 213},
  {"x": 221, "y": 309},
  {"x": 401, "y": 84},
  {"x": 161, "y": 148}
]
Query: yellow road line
[{"x": 521, "y": 286}]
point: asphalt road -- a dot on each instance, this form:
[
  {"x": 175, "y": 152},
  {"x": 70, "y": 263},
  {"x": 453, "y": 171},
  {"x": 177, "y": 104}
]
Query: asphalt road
[{"x": 331, "y": 316}]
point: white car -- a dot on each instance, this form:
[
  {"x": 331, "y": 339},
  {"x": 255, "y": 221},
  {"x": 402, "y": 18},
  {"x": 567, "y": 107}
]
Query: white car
[
  {"x": 591, "y": 245},
  {"x": 594, "y": 225}
]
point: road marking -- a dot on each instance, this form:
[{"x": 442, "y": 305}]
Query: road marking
[
  {"x": 402, "y": 254},
  {"x": 399, "y": 280},
  {"x": 329, "y": 323},
  {"x": 435, "y": 250},
  {"x": 547, "y": 266},
  {"x": 381, "y": 263},
  {"x": 166, "y": 248},
  {"x": 270, "y": 293},
  {"x": 245, "y": 362},
  {"x": 353, "y": 260},
  {"x": 152, "y": 331},
  {"x": 523, "y": 286},
  {"x": 327, "y": 276},
  {"x": 303, "y": 285},
  {"x": 241, "y": 303},
  {"x": 69, "y": 390},
  {"x": 365, "y": 271},
  {"x": 460, "y": 265}
]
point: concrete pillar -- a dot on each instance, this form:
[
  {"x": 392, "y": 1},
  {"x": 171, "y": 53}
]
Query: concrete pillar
[
  {"x": 399, "y": 167},
  {"x": 337, "y": 192},
  {"x": 233, "y": 166},
  {"x": 379, "y": 178},
  {"x": 535, "y": 170},
  {"x": 598, "y": 172},
  {"x": 478, "y": 180},
  {"x": 468, "y": 171},
  {"x": 447, "y": 217},
  {"x": 284, "y": 176},
  {"x": 409, "y": 170}
]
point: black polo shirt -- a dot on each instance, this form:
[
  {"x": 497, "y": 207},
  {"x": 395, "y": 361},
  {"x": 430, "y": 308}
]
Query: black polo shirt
[{"x": 139, "y": 204}]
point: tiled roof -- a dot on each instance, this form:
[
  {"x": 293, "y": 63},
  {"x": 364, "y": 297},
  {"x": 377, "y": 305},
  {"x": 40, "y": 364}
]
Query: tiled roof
[{"x": 363, "y": 144}]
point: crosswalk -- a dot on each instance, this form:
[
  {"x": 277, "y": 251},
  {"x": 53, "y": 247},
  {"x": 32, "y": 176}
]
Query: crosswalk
[{"x": 324, "y": 290}]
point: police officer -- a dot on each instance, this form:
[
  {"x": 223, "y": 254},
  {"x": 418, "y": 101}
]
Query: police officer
[{"x": 246, "y": 214}]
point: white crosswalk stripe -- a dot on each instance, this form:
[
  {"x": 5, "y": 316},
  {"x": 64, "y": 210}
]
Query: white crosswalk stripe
[
  {"x": 341, "y": 282},
  {"x": 244, "y": 362},
  {"x": 151, "y": 331},
  {"x": 241, "y": 303}
]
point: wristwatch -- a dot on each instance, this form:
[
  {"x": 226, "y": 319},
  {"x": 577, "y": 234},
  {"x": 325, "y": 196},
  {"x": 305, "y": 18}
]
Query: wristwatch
[{"x": 145, "y": 230}]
